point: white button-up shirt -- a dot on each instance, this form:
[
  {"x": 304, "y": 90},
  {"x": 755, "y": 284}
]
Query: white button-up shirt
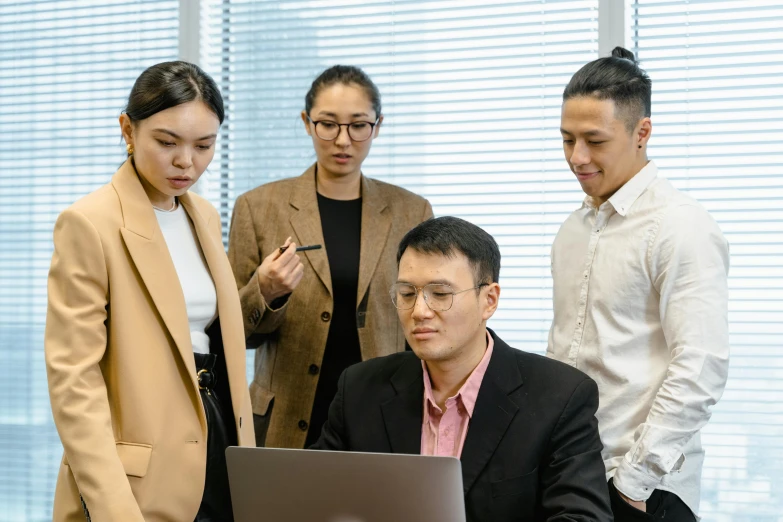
[{"x": 641, "y": 306}]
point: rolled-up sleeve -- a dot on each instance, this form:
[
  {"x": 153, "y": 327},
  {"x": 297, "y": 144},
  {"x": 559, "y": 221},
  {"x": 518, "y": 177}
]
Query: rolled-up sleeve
[{"x": 689, "y": 263}]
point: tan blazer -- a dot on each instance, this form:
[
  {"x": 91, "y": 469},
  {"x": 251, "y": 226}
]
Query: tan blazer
[
  {"x": 122, "y": 377},
  {"x": 293, "y": 338}
]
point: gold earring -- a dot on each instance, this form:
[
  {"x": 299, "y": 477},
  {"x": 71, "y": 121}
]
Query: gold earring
[{"x": 129, "y": 148}]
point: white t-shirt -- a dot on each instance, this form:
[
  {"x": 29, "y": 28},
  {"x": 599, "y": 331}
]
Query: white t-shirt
[{"x": 194, "y": 276}]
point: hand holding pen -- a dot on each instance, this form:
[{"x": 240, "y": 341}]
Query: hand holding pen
[{"x": 280, "y": 272}]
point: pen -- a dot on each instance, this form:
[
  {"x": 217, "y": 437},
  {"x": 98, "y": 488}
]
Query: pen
[{"x": 301, "y": 248}]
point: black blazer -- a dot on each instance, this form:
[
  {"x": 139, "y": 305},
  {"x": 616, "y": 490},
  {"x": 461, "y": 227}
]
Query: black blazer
[{"x": 532, "y": 451}]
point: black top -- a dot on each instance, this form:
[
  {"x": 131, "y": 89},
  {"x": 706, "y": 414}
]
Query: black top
[{"x": 341, "y": 222}]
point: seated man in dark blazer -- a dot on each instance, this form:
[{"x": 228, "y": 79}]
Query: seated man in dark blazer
[{"x": 522, "y": 425}]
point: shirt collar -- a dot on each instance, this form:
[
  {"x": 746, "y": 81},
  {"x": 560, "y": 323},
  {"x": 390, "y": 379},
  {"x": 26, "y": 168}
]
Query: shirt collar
[
  {"x": 626, "y": 196},
  {"x": 468, "y": 393}
]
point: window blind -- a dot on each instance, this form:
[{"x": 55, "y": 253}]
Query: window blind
[
  {"x": 471, "y": 94},
  {"x": 66, "y": 69},
  {"x": 717, "y": 109}
]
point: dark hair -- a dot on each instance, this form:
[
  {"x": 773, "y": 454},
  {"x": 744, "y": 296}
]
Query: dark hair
[
  {"x": 344, "y": 74},
  {"x": 169, "y": 84},
  {"x": 618, "y": 78},
  {"x": 448, "y": 235}
]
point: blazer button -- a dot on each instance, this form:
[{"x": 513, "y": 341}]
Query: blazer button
[
  {"x": 303, "y": 425},
  {"x": 326, "y": 316},
  {"x": 313, "y": 369},
  {"x": 255, "y": 315}
]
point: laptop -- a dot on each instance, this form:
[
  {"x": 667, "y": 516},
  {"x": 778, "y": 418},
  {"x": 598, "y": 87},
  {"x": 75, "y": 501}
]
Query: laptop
[{"x": 286, "y": 485}]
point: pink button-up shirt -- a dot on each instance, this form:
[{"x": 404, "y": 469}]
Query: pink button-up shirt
[{"x": 443, "y": 433}]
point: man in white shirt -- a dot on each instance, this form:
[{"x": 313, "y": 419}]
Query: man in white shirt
[{"x": 640, "y": 296}]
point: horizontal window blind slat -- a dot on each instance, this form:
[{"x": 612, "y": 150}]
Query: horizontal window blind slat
[
  {"x": 698, "y": 9},
  {"x": 653, "y": 6},
  {"x": 401, "y": 12},
  {"x": 728, "y": 54},
  {"x": 72, "y": 30},
  {"x": 23, "y": 9},
  {"x": 403, "y": 32}
]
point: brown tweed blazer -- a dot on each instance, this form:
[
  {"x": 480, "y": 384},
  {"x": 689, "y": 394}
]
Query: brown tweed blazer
[{"x": 292, "y": 338}]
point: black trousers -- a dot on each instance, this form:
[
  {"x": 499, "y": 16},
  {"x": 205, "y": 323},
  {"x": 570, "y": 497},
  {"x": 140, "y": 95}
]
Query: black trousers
[
  {"x": 662, "y": 505},
  {"x": 221, "y": 433}
]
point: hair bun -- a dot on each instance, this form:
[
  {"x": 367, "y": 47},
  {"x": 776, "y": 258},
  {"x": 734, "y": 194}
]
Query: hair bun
[{"x": 622, "y": 52}]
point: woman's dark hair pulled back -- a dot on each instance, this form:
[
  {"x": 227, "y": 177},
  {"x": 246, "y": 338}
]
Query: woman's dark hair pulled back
[
  {"x": 169, "y": 84},
  {"x": 345, "y": 75}
]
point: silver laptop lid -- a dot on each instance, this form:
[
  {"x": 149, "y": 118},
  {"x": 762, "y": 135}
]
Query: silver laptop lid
[{"x": 284, "y": 485}]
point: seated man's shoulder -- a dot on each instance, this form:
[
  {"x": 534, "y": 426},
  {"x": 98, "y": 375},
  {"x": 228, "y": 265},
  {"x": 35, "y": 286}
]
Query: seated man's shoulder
[
  {"x": 550, "y": 377},
  {"x": 380, "y": 369},
  {"x": 550, "y": 366}
]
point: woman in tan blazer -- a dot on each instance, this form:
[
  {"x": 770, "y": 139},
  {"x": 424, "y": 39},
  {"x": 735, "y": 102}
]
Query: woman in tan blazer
[
  {"x": 147, "y": 387},
  {"x": 339, "y": 311}
]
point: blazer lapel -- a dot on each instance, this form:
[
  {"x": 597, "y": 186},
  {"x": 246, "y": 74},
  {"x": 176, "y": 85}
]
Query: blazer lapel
[
  {"x": 228, "y": 305},
  {"x": 403, "y": 414},
  {"x": 307, "y": 225},
  {"x": 376, "y": 224},
  {"x": 493, "y": 412},
  {"x": 150, "y": 255}
]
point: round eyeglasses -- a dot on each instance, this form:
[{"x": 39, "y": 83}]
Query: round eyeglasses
[
  {"x": 439, "y": 297},
  {"x": 328, "y": 130}
]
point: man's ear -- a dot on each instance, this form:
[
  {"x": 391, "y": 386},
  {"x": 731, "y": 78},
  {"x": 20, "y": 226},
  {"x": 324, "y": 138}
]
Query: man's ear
[
  {"x": 643, "y": 132},
  {"x": 490, "y": 300}
]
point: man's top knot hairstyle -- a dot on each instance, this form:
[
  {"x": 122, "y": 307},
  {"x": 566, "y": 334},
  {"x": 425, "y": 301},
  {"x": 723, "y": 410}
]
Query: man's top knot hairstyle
[
  {"x": 622, "y": 52},
  {"x": 618, "y": 78},
  {"x": 449, "y": 236}
]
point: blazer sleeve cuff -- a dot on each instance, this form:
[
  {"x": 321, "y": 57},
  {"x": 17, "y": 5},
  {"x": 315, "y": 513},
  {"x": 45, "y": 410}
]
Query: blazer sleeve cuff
[
  {"x": 278, "y": 304},
  {"x": 258, "y": 316}
]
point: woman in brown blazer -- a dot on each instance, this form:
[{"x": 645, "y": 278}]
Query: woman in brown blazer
[
  {"x": 147, "y": 387},
  {"x": 312, "y": 318}
]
